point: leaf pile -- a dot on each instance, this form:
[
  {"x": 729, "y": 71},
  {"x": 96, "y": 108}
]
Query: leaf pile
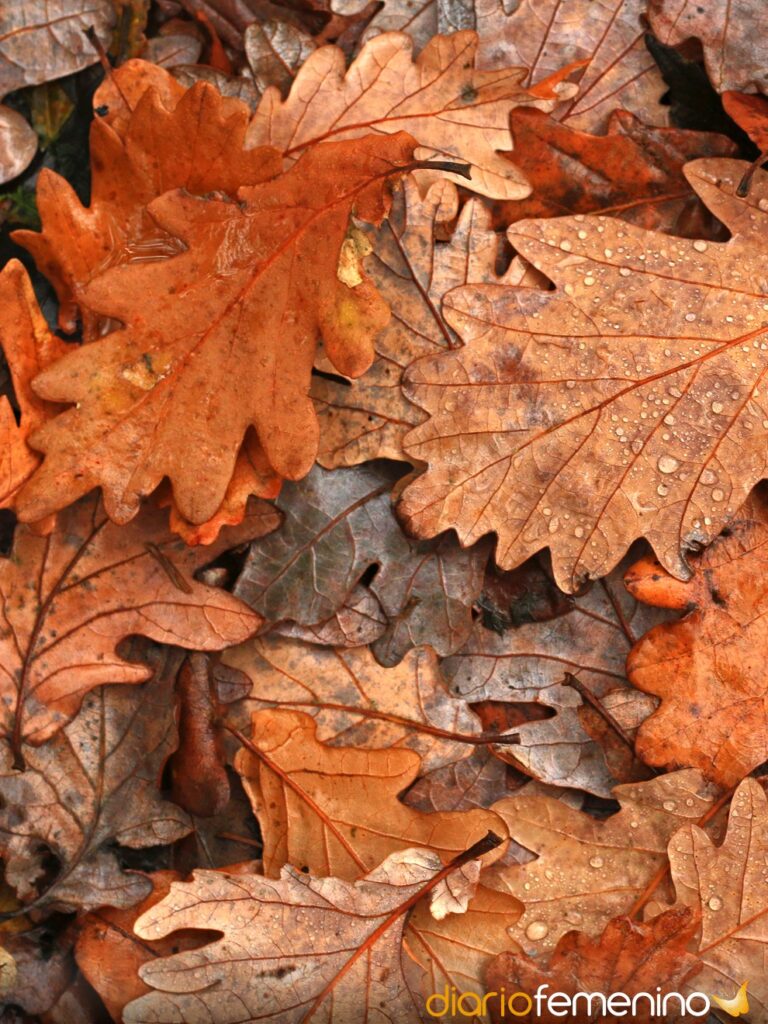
[{"x": 383, "y": 429}]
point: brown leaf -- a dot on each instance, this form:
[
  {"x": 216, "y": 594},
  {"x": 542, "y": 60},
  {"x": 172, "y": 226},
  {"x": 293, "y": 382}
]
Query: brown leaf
[
  {"x": 368, "y": 418},
  {"x": 354, "y": 701},
  {"x": 732, "y": 37},
  {"x": 45, "y": 39},
  {"x": 750, "y": 113},
  {"x": 93, "y": 786},
  {"x": 570, "y": 422},
  {"x": 709, "y": 667},
  {"x": 358, "y": 621},
  {"x": 148, "y": 414},
  {"x": 70, "y": 598},
  {"x": 531, "y": 663},
  {"x": 628, "y": 958},
  {"x": 334, "y": 810},
  {"x": 338, "y": 524},
  {"x": 29, "y": 347},
  {"x": 274, "y": 926},
  {"x": 275, "y": 51},
  {"x": 587, "y": 871},
  {"x": 633, "y": 170},
  {"x": 18, "y": 144},
  {"x": 726, "y": 884},
  {"x": 453, "y": 111},
  {"x": 544, "y": 35}
]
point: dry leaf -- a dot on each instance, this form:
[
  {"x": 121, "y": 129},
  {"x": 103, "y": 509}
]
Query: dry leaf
[
  {"x": 368, "y": 418},
  {"x": 735, "y": 51},
  {"x": 454, "y": 111},
  {"x": 544, "y": 35},
  {"x": 354, "y": 701},
  {"x": 29, "y": 346},
  {"x": 18, "y": 144},
  {"x": 70, "y": 598},
  {"x": 271, "y": 930},
  {"x": 90, "y": 788},
  {"x": 633, "y": 170},
  {"x": 145, "y": 406},
  {"x": 727, "y": 885},
  {"x": 532, "y": 662},
  {"x": 275, "y": 51},
  {"x": 629, "y": 957},
  {"x": 358, "y": 621},
  {"x": 709, "y": 667},
  {"x": 335, "y": 810},
  {"x": 570, "y": 422},
  {"x": 588, "y": 871}
]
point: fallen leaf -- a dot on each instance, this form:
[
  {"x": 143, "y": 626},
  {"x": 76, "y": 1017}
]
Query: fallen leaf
[
  {"x": 544, "y": 35},
  {"x": 726, "y": 885},
  {"x": 334, "y": 810},
  {"x": 29, "y": 346},
  {"x": 18, "y": 144},
  {"x": 70, "y": 598},
  {"x": 91, "y": 788},
  {"x": 708, "y": 667},
  {"x": 273, "y": 927},
  {"x": 588, "y": 871},
  {"x": 522, "y": 438},
  {"x": 750, "y": 112},
  {"x": 634, "y": 171},
  {"x": 629, "y": 958},
  {"x": 43, "y": 968},
  {"x": 358, "y": 621},
  {"x": 354, "y": 701},
  {"x": 155, "y": 137},
  {"x": 336, "y": 525},
  {"x": 275, "y": 51},
  {"x": 532, "y": 662},
  {"x": 144, "y": 405},
  {"x": 734, "y": 49},
  {"x": 368, "y": 418},
  {"x": 453, "y": 110}
]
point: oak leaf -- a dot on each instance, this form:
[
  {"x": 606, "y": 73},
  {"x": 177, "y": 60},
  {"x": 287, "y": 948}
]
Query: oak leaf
[
  {"x": 726, "y": 885},
  {"x": 453, "y": 110},
  {"x": 260, "y": 282},
  {"x": 413, "y": 270},
  {"x": 335, "y": 810},
  {"x": 336, "y": 525},
  {"x": 570, "y": 422},
  {"x": 29, "y": 346},
  {"x": 587, "y": 871},
  {"x": 543, "y": 35},
  {"x": 270, "y": 963},
  {"x": 358, "y": 621},
  {"x": 735, "y": 55},
  {"x": 70, "y": 598},
  {"x": 354, "y": 701},
  {"x": 708, "y": 668},
  {"x": 92, "y": 787},
  {"x": 629, "y": 957},
  {"x": 588, "y": 640}
]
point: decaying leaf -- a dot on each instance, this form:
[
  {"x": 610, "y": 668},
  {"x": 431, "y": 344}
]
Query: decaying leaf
[
  {"x": 453, "y": 110},
  {"x": 93, "y": 786},
  {"x": 335, "y": 810},
  {"x": 368, "y": 418},
  {"x": 360, "y": 620},
  {"x": 29, "y": 346},
  {"x": 709, "y": 667},
  {"x": 587, "y": 871},
  {"x": 271, "y": 929},
  {"x": 354, "y": 701},
  {"x": 275, "y": 51},
  {"x": 633, "y": 170},
  {"x": 534, "y": 661},
  {"x": 70, "y": 598},
  {"x": 545, "y": 35},
  {"x": 735, "y": 51},
  {"x": 259, "y": 280},
  {"x": 629, "y": 957},
  {"x": 572, "y": 420},
  {"x": 726, "y": 885}
]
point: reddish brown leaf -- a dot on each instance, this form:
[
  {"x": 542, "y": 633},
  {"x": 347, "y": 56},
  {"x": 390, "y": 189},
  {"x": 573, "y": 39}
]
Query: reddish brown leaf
[
  {"x": 750, "y": 113},
  {"x": 629, "y": 958},
  {"x": 70, "y": 598}
]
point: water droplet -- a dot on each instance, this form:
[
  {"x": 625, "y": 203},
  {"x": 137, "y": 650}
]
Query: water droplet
[
  {"x": 589, "y": 280},
  {"x": 579, "y": 532},
  {"x": 596, "y": 862},
  {"x": 717, "y": 407},
  {"x": 667, "y": 464},
  {"x": 700, "y": 246},
  {"x": 717, "y": 494},
  {"x": 669, "y": 419},
  {"x": 715, "y": 903},
  {"x": 582, "y": 234},
  {"x": 662, "y": 491},
  {"x": 566, "y": 246},
  {"x": 625, "y": 271},
  {"x": 637, "y": 446},
  {"x": 669, "y": 805},
  {"x": 690, "y": 317},
  {"x": 537, "y": 930},
  {"x": 708, "y": 477}
]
